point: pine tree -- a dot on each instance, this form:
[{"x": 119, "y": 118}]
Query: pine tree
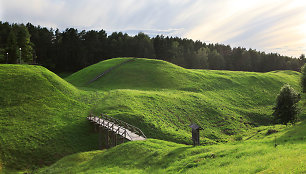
[
  {"x": 2, "y": 55},
  {"x": 23, "y": 40},
  {"x": 12, "y": 47}
]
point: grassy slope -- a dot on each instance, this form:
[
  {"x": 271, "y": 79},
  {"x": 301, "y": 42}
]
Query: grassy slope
[
  {"x": 82, "y": 77},
  {"x": 162, "y": 98},
  {"x": 42, "y": 117},
  {"x": 156, "y": 156}
]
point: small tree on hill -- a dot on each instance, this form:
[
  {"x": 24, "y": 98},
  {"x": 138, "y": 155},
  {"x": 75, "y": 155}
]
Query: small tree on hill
[
  {"x": 303, "y": 78},
  {"x": 286, "y": 109}
]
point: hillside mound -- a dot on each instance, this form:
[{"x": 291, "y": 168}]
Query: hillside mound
[
  {"x": 41, "y": 117},
  {"x": 24, "y": 83},
  {"x": 85, "y": 76},
  {"x": 163, "y": 99},
  {"x": 138, "y": 74},
  {"x": 156, "y": 156},
  {"x": 151, "y": 74}
]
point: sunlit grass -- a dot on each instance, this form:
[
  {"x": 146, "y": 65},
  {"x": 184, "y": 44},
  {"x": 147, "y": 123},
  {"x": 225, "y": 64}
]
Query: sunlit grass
[
  {"x": 156, "y": 156},
  {"x": 43, "y": 117},
  {"x": 163, "y": 99}
]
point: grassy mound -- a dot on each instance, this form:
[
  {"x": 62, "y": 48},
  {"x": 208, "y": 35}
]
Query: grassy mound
[
  {"x": 150, "y": 74},
  {"x": 156, "y": 156},
  {"x": 163, "y": 99},
  {"x": 82, "y": 77},
  {"x": 42, "y": 117}
]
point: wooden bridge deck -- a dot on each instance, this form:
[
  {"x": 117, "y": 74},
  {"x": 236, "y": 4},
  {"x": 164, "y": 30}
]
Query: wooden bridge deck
[{"x": 119, "y": 129}]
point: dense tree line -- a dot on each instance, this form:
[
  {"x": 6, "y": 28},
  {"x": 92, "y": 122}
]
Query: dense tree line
[
  {"x": 71, "y": 50},
  {"x": 14, "y": 42}
]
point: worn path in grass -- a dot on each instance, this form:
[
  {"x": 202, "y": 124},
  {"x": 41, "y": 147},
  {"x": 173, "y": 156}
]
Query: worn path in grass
[{"x": 109, "y": 70}]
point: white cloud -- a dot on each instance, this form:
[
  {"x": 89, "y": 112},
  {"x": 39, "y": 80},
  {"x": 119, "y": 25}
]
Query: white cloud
[
  {"x": 269, "y": 25},
  {"x": 263, "y": 26}
]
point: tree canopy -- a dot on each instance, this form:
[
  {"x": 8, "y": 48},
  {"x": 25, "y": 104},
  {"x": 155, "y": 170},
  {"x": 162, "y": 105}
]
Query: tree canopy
[
  {"x": 286, "y": 109},
  {"x": 71, "y": 50}
]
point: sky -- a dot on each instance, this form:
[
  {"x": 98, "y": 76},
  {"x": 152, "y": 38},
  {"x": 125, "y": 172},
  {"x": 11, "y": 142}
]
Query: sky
[{"x": 265, "y": 25}]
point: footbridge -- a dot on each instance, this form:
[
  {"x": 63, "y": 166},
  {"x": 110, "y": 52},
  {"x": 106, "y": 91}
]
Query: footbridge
[{"x": 113, "y": 131}]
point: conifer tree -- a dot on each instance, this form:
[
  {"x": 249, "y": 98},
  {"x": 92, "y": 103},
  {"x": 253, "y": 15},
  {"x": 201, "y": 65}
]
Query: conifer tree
[
  {"x": 12, "y": 47},
  {"x": 23, "y": 41}
]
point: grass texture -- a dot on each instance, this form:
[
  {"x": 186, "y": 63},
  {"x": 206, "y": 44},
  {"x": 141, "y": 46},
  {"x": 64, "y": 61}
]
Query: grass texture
[{"x": 43, "y": 117}]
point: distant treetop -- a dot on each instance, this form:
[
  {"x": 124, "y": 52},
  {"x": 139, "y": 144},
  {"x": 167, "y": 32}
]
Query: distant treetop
[{"x": 72, "y": 50}]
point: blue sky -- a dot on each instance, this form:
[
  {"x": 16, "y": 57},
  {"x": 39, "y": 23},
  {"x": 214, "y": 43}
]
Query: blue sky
[{"x": 266, "y": 25}]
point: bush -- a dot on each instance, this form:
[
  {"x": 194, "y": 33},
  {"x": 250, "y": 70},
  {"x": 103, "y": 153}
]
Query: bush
[
  {"x": 286, "y": 109},
  {"x": 271, "y": 131}
]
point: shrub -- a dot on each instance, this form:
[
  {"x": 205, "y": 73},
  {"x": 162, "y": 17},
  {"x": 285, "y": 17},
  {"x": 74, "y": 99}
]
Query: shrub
[
  {"x": 271, "y": 131},
  {"x": 286, "y": 109}
]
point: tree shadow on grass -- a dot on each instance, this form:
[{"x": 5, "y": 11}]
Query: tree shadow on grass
[
  {"x": 155, "y": 161},
  {"x": 295, "y": 134}
]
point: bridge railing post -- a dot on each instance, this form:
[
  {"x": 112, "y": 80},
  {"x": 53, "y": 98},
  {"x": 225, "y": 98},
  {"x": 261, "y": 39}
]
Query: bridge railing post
[{"x": 125, "y": 133}]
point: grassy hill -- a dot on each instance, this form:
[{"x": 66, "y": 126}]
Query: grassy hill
[
  {"x": 156, "y": 156},
  {"x": 42, "y": 117},
  {"x": 150, "y": 74},
  {"x": 82, "y": 77},
  {"x": 162, "y": 99}
]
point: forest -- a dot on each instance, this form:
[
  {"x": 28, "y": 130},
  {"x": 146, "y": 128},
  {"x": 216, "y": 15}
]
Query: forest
[{"x": 71, "y": 50}]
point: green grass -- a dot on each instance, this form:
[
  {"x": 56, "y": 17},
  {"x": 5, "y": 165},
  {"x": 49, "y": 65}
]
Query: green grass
[
  {"x": 163, "y": 99},
  {"x": 82, "y": 77},
  {"x": 43, "y": 118},
  {"x": 157, "y": 156}
]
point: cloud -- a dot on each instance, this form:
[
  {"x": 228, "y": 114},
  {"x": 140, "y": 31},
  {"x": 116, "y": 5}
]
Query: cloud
[
  {"x": 153, "y": 32},
  {"x": 262, "y": 24}
]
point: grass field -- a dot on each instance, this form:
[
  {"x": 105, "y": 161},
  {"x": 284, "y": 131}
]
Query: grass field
[
  {"x": 42, "y": 117},
  {"x": 163, "y": 99},
  {"x": 157, "y": 156}
]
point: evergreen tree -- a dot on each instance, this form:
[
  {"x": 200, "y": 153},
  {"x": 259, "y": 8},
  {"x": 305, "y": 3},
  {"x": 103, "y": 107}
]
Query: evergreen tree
[
  {"x": 12, "y": 47},
  {"x": 303, "y": 78},
  {"x": 143, "y": 46},
  {"x": 201, "y": 58},
  {"x": 44, "y": 52},
  {"x": 2, "y": 56},
  {"x": 302, "y": 58},
  {"x": 215, "y": 60},
  {"x": 71, "y": 50},
  {"x": 286, "y": 109},
  {"x": 23, "y": 41},
  {"x": 4, "y": 32}
]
